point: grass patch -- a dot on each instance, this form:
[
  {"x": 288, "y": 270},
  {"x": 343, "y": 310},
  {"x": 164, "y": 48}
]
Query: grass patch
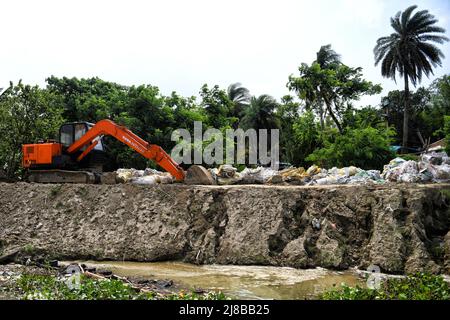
[
  {"x": 410, "y": 156},
  {"x": 55, "y": 190},
  {"x": 29, "y": 248},
  {"x": 420, "y": 286}
]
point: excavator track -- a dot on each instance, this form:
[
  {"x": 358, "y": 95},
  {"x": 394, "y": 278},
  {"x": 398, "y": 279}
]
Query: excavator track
[{"x": 61, "y": 176}]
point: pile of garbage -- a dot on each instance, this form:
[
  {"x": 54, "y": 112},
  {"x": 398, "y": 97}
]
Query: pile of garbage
[
  {"x": 432, "y": 167},
  {"x": 147, "y": 176},
  {"x": 226, "y": 174}
]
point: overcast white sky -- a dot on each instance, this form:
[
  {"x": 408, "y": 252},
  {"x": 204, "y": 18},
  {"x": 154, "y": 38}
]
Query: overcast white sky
[{"x": 179, "y": 45}]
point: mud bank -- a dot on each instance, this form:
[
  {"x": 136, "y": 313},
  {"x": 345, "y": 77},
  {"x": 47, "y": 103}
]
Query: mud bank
[{"x": 400, "y": 227}]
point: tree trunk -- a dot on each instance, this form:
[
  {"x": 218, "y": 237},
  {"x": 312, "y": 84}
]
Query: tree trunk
[
  {"x": 406, "y": 115},
  {"x": 322, "y": 118},
  {"x": 336, "y": 121}
]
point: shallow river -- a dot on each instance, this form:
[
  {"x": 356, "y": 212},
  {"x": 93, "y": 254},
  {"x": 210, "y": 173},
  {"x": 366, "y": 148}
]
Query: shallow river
[{"x": 243, "y": 282}]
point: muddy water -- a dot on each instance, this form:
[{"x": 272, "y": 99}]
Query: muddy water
[{"x": 242, "y": 282}]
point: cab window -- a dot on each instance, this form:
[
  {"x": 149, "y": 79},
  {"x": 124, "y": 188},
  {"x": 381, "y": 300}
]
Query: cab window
[
  {"x": 66, "y": 135},
  {"x": 80, "y": 130}
]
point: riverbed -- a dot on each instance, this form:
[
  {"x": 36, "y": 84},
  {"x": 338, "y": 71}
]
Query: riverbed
[{"x": 238, "y": 282}]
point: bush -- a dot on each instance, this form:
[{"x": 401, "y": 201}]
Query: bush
[
  {"x": 367, "y": 148},
  {"x": 47, "y": 287},
  {"x": 306, "y": 138},
  {"x": 447, "y": 133},
  {"x": 420, "y": 286}
]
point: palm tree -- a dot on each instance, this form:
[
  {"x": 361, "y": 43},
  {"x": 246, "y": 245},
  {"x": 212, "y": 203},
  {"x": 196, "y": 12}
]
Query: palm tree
[
  {"x": 240, "y": 97},
  {"x": 410, "y": 52},
  {"x": 327, "y": 57},
  {"x": 260, "y": 114}
]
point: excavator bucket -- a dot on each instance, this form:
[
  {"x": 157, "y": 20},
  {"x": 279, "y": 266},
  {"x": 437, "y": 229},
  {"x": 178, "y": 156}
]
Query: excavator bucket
[{"x": 198, "y": 175}]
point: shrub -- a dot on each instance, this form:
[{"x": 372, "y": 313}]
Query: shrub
[
  {"x": 420, "y": 286},
  {"x": 367, "y": 148},
  {"x": 447, "y": 133},
  {"x": 47, "y": 287}
]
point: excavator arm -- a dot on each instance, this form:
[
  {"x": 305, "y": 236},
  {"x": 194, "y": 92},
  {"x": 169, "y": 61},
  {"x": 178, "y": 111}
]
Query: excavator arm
[{"x": 150, "y": 151}]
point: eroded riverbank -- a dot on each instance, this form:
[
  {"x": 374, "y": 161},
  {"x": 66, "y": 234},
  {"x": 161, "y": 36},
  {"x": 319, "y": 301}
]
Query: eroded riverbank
[{"x": 402, "y": 228}]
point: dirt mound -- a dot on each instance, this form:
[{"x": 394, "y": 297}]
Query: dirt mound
[{"x": 400, "y": 227}]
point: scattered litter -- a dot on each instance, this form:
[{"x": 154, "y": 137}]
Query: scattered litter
[{"x": 316, "y": 223}]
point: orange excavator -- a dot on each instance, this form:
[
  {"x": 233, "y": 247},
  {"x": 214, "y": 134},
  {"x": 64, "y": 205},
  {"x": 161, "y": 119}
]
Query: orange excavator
[{"x": 79, "y": 155}]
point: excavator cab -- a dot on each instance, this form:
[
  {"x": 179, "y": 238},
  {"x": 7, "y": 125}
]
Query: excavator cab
[{"x": 71, "y": 132}]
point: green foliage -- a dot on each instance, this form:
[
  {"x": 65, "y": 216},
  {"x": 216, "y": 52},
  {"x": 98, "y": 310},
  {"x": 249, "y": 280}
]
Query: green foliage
[
  {"x": 410, "y": 156},
  {"x": 307, "y": 136},
  {"x": 321, "y": 126},
  {"x": 367, "y": 148},
  {"x": 327, "y": 86},
  {"x": 447, "y": 133},
  {"x": 27, "y": 114},
  {"x": 420, "y": 286},
  {"x": 218, "y": 106},
  {"x": 260, "y": 114},
  {"x": 420, "y": 111},
  {"x": 47, "y": 287},
  {"x": 288, "y": 113}
]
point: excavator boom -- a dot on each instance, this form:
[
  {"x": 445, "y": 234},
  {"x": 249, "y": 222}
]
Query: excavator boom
[{"x": 150, "y": 151}]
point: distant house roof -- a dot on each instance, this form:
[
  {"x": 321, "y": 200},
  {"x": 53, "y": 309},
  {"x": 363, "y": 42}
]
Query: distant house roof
[{"x": 438, "y": 145}]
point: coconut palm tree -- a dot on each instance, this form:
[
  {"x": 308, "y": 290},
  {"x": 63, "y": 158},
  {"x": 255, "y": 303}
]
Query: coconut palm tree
[
  {"x": 327, "y": 57},
  {"x": 410, "y": 51},
  {"x": 260, "y": 114},
  {"x": 240, "y": 97}
]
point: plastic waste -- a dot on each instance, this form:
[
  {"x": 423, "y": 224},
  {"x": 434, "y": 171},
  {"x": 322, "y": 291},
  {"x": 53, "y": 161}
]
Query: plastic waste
[
  {"x": 226, "y": 171},
  {"x": 313, "y": 170},
  {"x": 293, "y": 174},
  {"x": 147, "y": 176},
  {"x": 435, "y": 158},
  {"x": 259, "y": 175}
]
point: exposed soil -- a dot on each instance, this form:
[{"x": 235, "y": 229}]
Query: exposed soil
[{"x": 399, "y": 227}]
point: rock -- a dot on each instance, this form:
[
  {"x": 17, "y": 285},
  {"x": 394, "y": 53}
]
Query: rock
[
  {"x": 387, "y": 244},
  {"x": 331, "y": 255},
  {"x": 276, "y": 179},
  {"x": 295, "y": 255},
  {"x": 108, "y": 178},
  {"x": 199, "y": 175},
  {"x": 105, "y": 273},
  {"x": 446, "y": 247}
]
